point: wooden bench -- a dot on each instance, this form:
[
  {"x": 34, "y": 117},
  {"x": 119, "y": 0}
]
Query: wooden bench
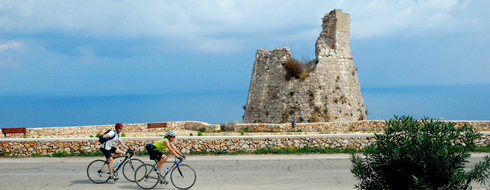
[
  {"x": 157, "y": 125},
  {"x": 6, "y": 131}
]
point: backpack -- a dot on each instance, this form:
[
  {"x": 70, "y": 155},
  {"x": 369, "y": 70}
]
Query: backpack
[{"x": 102, "y": 140}]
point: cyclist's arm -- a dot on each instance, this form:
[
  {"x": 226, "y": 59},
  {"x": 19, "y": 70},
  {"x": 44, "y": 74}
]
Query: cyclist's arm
[
  {"x": 107, "y": 135},
  {"x": 123, "y": 145},
  {"x": 170, "y": 148},
  {"x": 175, "y": 149}
]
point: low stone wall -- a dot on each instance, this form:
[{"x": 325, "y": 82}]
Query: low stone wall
[
  {"x": 92, "y": 130},
  {"x": 25, "y": 147},
  {"x": 356, "y": 126}
]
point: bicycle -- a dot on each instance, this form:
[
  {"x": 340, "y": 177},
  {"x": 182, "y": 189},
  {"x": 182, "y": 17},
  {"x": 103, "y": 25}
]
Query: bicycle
[
  {"x": 182, "y": 176},
  {"x": 98, "y": 171}
]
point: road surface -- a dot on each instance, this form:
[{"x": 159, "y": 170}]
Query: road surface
[{"x": 244, "y": 172}]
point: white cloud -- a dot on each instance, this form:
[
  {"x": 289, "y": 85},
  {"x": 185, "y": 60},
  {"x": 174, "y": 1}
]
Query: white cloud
[
  {"x": 387, "y": 17},
  {"x": 230, "y": 22},
  {"x": 6, "y": 61},
  {"x": 12, "y": 45}
]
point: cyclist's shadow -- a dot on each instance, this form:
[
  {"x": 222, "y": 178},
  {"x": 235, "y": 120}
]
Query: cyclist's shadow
[{"x": 85, "y": 181}]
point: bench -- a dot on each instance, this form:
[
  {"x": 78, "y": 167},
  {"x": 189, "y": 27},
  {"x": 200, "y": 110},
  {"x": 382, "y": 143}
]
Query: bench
[
  {"x": 6, "y": 131},
  {"x": 157, "y": 125}
]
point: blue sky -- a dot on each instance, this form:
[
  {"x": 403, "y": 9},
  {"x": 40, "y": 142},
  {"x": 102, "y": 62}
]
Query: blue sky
[{"x": 146, "y": 47}]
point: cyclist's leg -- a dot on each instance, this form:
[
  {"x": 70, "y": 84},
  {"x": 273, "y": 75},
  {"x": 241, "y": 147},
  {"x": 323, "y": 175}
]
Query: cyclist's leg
[
  {"x": 108, "y": 156},
  {"x": 163, "y": 159},
  {"x": 109, "y": 163},
  {"x": 118, "y": 152}
]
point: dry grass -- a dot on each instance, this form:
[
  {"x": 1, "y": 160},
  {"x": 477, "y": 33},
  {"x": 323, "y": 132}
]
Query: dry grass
[{"x": 295, "y": 69}]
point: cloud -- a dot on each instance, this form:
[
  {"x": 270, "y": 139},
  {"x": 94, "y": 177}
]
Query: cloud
[
  {"x": 6, "y": 61},
  {"x": 12, "y": 45},
  {"x": 231, "y": 24},
  {"x": 414, "y": 18}
]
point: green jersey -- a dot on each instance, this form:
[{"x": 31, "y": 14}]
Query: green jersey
[{"x": 160, "y": 146}]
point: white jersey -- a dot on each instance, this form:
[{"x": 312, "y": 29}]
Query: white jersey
[{"x": 108, "y": 144}]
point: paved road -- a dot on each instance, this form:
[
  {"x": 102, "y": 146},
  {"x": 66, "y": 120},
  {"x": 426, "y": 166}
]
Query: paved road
[{"x": 245, "y": 172}]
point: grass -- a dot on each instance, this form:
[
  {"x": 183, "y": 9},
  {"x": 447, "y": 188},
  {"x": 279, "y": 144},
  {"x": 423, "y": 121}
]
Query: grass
[
  {"x": 59, "y": 154},
  {"x": 482, "y": 149},
  {"x": 295, "y": 69},
  {"x": 299, "y": 151},
  {"x": 304, "y": 150}
]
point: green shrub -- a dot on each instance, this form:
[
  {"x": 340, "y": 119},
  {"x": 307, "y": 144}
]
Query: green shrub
[
  {"x": 483, "y": 149},
  {"x": 37, "y": 136},
  {"x": 199, "y": 133},
  {"x": 91, "y": 136},
  {"x": 242, "y": 132},
  {"x": 142, "y": 153},
  {"x": 4, "y": 154},
  {"x": 192, "y": 134},
  {"x": 33, "y": 137},
  {"x": 59, "y": 154},
  {"x": 123, "y": 135},
  {"x": 25, "y": 137},
  {"x": 419, "y": 154}
]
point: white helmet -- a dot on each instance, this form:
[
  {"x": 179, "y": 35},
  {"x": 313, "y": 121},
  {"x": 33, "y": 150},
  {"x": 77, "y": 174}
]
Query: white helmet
[{"x": 171, "y": 134}]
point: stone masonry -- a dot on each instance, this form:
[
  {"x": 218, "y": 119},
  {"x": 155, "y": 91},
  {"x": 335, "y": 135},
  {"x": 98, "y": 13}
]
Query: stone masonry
[
  {"x": 26, "y": 147},
  {"x": 93, "y": 130},
  {"x": 331, "y": 92}
]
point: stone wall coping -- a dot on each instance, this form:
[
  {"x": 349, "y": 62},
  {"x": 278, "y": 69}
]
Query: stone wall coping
[
  {"x": 341, "y": 122},
  {"x": 209, "y": 137},
  {"x": 201, "y": 137}
]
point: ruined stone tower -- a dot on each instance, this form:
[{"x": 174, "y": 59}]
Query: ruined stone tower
[{"x": 331, "y": 92}]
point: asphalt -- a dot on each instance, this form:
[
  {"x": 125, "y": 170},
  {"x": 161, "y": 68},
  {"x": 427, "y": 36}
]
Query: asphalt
[{"x": 247, "y": 172}]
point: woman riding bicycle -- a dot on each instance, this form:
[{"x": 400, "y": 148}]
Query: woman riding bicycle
[{"x": 155, "y": 150}]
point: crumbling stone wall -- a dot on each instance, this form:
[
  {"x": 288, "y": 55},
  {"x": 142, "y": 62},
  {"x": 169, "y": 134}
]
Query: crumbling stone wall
[
  {"x": 93, "y": 130},
  {"x": 26, "y": 147},
  {"x": 331, "y": 92},
  {"x": 341, "y": 127}
]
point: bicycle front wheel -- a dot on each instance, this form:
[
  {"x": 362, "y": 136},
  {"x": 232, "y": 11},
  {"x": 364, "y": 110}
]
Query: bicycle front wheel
[
  {"x": 146, "y": 177},
  {"x": 130, "y": 167},
  {"x": 183, "y": 176},
  {"x": 98, "y": 171}
]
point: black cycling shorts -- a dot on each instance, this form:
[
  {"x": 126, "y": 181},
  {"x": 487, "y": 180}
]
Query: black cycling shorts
[
  {"x": 107, "y": 153},
  {"x": 154, "y": 154}
]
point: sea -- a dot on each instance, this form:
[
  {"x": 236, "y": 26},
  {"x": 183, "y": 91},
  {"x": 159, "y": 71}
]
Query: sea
[{"x": 448, "y": 102}]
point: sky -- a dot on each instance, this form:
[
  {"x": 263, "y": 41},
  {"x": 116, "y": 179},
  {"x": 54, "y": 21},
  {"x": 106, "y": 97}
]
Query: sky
[{"x": 151, "y": 47}]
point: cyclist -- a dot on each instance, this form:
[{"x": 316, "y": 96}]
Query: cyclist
[
  {"x": 155, "y": 150},
  {"x": 107, "y": 148}
]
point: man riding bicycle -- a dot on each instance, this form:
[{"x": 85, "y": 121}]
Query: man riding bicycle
[
  {"x": 155, "y": 150},
  {"x": 106, "y": 148}
]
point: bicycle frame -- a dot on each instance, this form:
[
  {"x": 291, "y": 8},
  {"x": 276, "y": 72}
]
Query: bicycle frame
[
  {"x": 127, "y": 157},
  {"x": 176, "y": 164}
]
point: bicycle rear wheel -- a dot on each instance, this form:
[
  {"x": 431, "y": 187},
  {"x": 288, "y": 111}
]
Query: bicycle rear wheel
[
  {"x": 146, "y": 177},
  {"x": 130, "y": 167},
  {"x": 98, "y": 171},
  {"x": 183, "y": 176}
]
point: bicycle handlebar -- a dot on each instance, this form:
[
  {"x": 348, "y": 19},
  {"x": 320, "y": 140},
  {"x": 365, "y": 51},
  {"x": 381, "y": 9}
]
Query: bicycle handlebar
[
  {"x": 179, "y": 161},
  {"x": 130, "y": 152}
]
